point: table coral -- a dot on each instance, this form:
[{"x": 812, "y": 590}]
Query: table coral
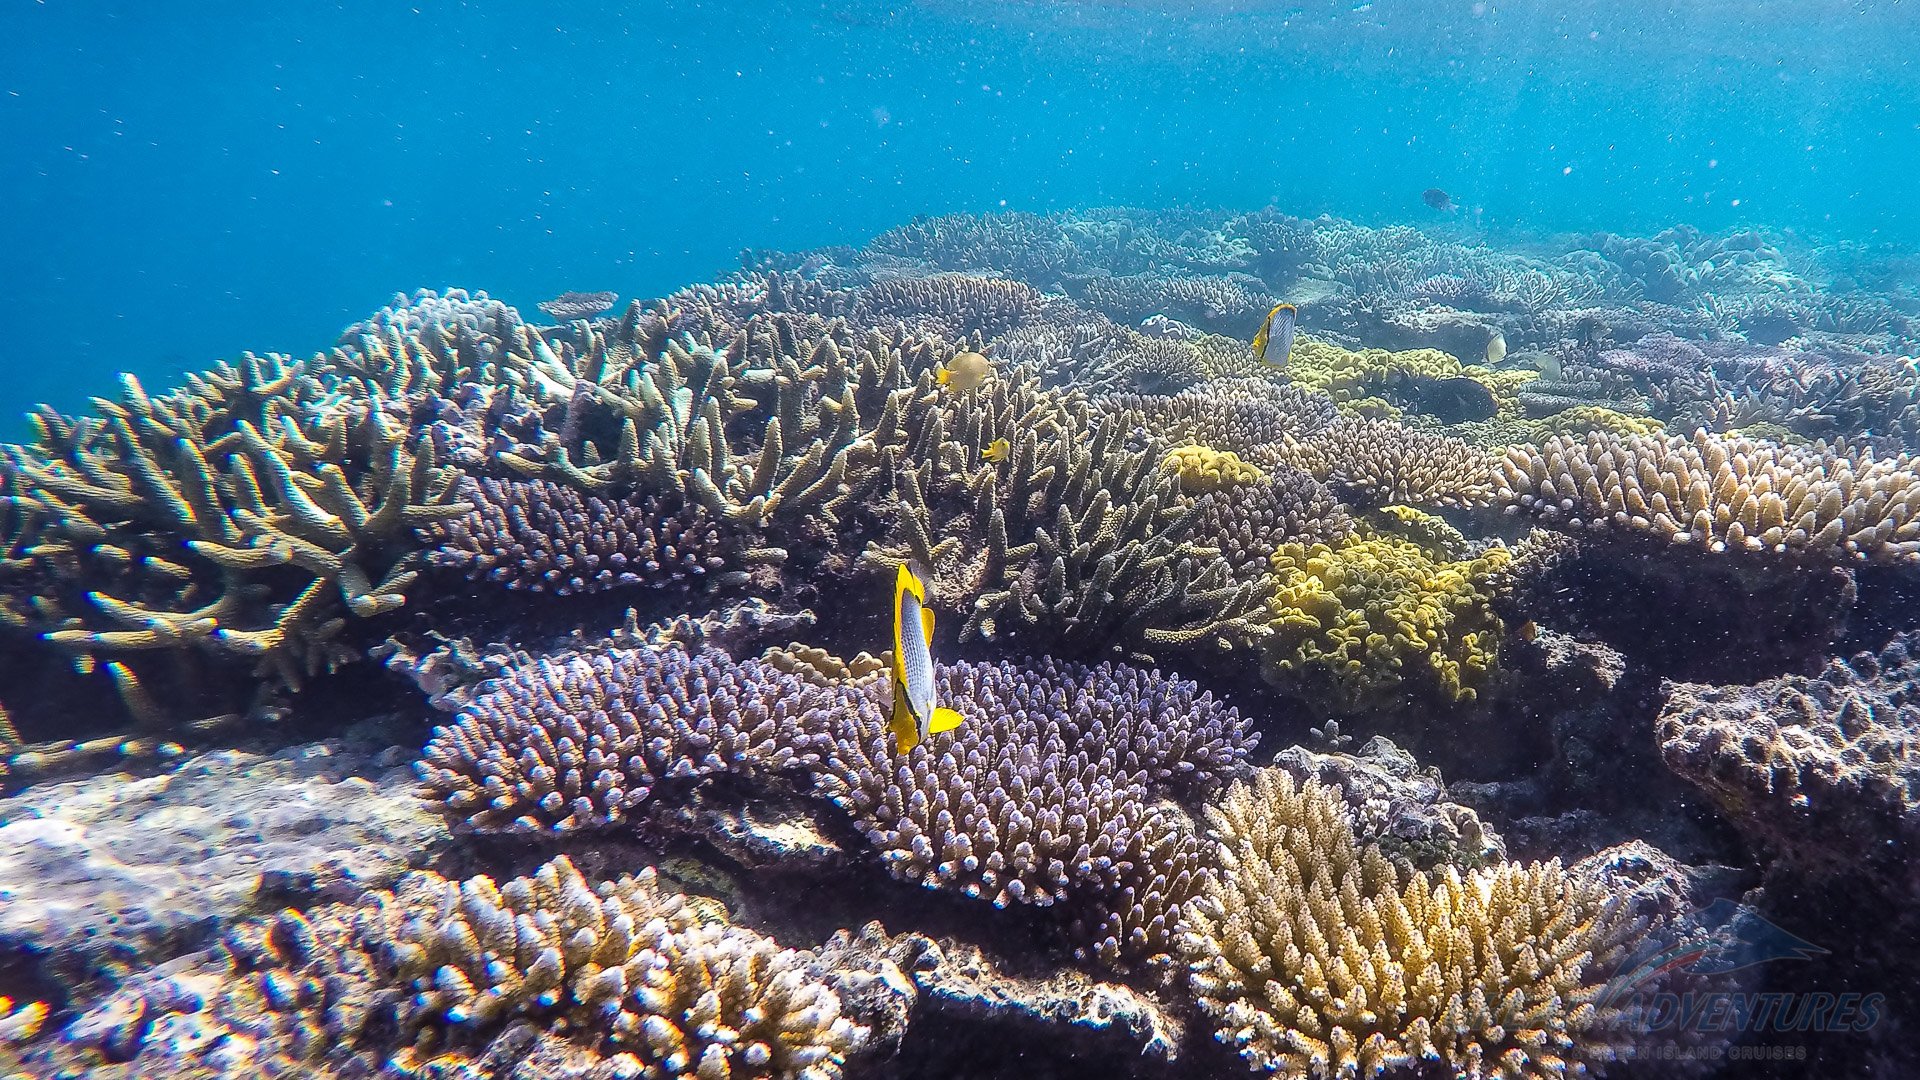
[
  {"x": 1819, "y": 504},
  {"x": 1317, "y": 958},
  {"x": 580, "y": 739},
  {"x": 1359, "y": 625}
]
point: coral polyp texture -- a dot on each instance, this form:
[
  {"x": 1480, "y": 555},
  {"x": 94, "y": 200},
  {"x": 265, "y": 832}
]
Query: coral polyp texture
[
  {"x": 1055, "y": 790},
  {"x": 420, "y": 980},
  {"x": 1315, "y": 957},
  {"x": 1824, "y": 770},
  {"x": 1358, "y": 625},
  {"x": 544, "y": 537},
  {"x": 640, "y": 563},
  {"x": 581, "y": 739},
  {"x": 1724, "y": 495}
]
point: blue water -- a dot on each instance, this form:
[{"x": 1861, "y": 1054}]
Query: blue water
[{"x": 182, "y": 182}]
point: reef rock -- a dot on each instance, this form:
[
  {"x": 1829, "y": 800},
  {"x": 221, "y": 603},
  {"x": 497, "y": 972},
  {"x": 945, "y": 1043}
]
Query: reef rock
[{"x": 113, "y": 871}]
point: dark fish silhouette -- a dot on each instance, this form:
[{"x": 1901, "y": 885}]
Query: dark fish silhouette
[
  {"x": 1437, "y": 199},
  {"x": 569, "y": 306},
  {"x": 1456, "y": 400}
]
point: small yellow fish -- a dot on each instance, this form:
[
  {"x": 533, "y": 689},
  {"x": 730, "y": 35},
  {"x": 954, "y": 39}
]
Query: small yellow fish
[
  {"x": 915, "y": 713},
  {"x": 997, "y": 450},
  {"x": 1277, "y": 329},
  {"x": 964, "y": 372}
]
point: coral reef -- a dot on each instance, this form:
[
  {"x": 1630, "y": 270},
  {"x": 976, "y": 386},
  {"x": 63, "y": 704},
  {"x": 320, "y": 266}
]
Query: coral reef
[
  {"x": 1051, "y": 792},
  {"x": 417, "y": 977},
  {"x": 1355, "y": 627},
  {"x": 580, "y": 739},
  {"x": 1824, "y": 770},
  {"x": 1823, "y": 503},
  {"x": 545, "y": 537},
  {"x": 1703, "y": 446},
  {"x": 1316, "y": 958}
]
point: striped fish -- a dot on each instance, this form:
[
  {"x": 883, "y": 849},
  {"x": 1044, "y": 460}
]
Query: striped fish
[{"x": 915, "y": 714}]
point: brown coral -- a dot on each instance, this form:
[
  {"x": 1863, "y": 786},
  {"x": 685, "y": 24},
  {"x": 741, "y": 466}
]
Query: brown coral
[
  {"x": 1821, "y": 503},
  {"x": 1317, "y": 958}
]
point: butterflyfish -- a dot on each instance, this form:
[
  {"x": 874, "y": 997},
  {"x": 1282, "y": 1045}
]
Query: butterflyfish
[
  {"x": 1496, "y": 349},
  {"x": 916, "y": 715},
  {"x": 996, "y": 450},
  {"x": 1276, "y": 334},
  {"x": 964, "y": 372}
]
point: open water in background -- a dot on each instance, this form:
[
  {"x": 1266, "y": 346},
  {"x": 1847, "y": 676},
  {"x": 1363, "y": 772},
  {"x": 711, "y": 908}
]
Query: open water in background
[{"x": 179, "y": 182}]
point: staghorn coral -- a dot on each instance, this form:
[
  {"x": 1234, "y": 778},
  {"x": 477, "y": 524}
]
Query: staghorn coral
[
  {"x": 580, "y": 739},
  {"x": 1202, "y": 469},
  {"x": 248, "y": 515},
  {"x": 1075, "y": 543},
  {"x": 415, "y": 979},
  {"x": 1820, "y": 504},
  {"x": 1360, "y": 625},
  {"x": 1052, "y": 791},
  {"x": 1824, "y": 770},
  {"x": 1317, "y": 958},
  {"x": 545, "y": 537}
]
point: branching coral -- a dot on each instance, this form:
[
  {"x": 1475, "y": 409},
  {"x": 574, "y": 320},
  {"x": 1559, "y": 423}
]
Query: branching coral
[
  {"x": 1359, "y": 625},
  {"x": 543, "y": 536},
  {"x": 581, "y": 739},
  {"x": 1249, "y": 522},
  {"x": 1050, "y": 792},
  {"x": 1251, "y": 417},
  {"x": 417, "y": 978},
  {"x": 1820, "y": 504},
  {"x": 1074, "y": 543},
  {"x": 1317, "y": 958},
  {"x": 248, "y": 514},
  {"x": 1380, "y": 462}
]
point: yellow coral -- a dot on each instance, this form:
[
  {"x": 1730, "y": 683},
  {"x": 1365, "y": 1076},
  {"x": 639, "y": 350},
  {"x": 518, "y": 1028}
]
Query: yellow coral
[
  {"x": 1352, "y": 625},
  {"x": 1317, "y": 958},
  {"x": 1584, "y": 418},
  {"x": 1202, "y": 468},
  {"x": 1352, "y": 378}
]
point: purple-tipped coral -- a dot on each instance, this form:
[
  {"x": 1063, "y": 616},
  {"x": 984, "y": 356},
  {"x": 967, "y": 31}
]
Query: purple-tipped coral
[
  {"x": 546, "y": 537},
  {"x": 1050, "y": 791},
  {"x": 581, "y": 739}
]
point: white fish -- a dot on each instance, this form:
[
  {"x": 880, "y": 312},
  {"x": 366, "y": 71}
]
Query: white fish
[{"x": 1496, "y": 349}]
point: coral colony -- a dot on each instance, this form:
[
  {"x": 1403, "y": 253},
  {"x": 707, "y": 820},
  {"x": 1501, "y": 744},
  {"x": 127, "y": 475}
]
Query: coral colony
[{"x": 618, "y": 589}]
